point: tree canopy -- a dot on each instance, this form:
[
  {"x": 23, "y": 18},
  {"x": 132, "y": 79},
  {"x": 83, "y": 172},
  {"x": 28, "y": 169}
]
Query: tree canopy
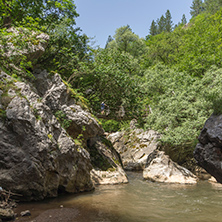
[{"x": 169, "y": 81}]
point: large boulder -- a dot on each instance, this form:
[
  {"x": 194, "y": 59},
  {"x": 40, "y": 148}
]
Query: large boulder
[
  {"x": 135, "y": 146},
  {"x": 208, "y": 151},
  {"x": 49, "y": 142},
  {"x": 160, "y": 168},
  {"x": 38, "y": 158},
  {"x": 106, "y": 161}
]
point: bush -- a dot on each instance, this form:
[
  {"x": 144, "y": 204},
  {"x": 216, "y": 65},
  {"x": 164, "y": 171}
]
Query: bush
[
  {"x": 110, "y": 125},
  {"x": 180, "y": 106}
]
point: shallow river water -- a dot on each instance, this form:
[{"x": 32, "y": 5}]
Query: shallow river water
[{"x": 139, "y": 201}]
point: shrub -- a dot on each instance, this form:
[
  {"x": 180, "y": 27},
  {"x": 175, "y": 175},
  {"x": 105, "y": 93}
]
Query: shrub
[{"x": 110, "y": 125}]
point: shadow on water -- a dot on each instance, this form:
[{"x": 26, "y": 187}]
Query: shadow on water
[{"x": 138, "y": 201}]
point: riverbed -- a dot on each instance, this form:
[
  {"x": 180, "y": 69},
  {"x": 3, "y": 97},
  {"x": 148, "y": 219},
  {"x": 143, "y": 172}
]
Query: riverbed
[{"x": 137, "y": 201}]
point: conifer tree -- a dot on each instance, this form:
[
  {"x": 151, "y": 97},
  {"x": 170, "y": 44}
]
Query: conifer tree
[
  {"x": 153, "y": 28},
  {"x": 168, "y": 21},
  {"x": 161, "y": 24},
  {"x": 110, "y": 39},
  {"x": 196, "y": 8},
  {"x": 184, "y": 20}
]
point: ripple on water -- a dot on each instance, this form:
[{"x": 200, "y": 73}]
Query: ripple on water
[{"x": 143, "y": 201}]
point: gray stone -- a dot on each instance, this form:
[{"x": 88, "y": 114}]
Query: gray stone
[
  {"x": 25, "y": 213},
  {"x": 134, "y": 147},
  {"x": 37, "y": 156},
  {"x": 160, "y": 168},
  {"x": 42, "y": 153},
  {"x": 107, "y": 165},
  {"x": 208, "y": 151},
  {"x": 31, "y": 51},
  {"x": 6, "y": 214}
]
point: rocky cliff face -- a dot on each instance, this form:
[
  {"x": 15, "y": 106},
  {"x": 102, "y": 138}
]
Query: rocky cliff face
[
  {"x": 46, "y": 137},
  {"x": 208, "y": 152},
  {"x": 38, "y": 157}
]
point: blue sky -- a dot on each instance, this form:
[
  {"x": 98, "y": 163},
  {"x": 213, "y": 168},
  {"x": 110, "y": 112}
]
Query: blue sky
[{"x": 100, "y": 18}]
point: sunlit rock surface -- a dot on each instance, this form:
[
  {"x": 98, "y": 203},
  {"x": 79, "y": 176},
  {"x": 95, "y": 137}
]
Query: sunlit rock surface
[
  {"x": 160, "y": 168},
  {"x": 134, "y": 147}
]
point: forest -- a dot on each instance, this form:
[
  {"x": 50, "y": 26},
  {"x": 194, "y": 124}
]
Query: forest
[{"x": 169, "y": 81}]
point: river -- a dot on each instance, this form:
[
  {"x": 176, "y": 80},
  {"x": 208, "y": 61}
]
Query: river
[{"x": 138, "y": 201}]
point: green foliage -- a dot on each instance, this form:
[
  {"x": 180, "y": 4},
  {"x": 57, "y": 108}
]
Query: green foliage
[
  {"x": 184, "y": 20},
  {"x": 127, "y": 41},
  {"x": 153, "y": 28},
  {"x": 162, "y": 24},
  {"x": 196, "y": 8},
  {"x": 180, "y": 106},
  {"x": 193, "y": 49},
  {"x": 212, "y": 81},
  {"x": 113, "y": 80},
  {"x": 212, "y": 6},
  {"x": 110, "y": 125},
  {"x": 36, "y": 14},
  {"x": 3, "y": 114},
  {"x": 15, "y": 45},
  {"x": 62, "y": 118},
  {"x": 80, "y": 99}
]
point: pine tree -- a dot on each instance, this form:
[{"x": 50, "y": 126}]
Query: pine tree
[
  {"x": 196, "y": 8},
  {"x": 161, "y": 24},
  {"x": 184, "y": 20},
  {"x": 153, "y": 28},
  {"x": 168, "y": 21},
  {"x": 110, "y": 39}
]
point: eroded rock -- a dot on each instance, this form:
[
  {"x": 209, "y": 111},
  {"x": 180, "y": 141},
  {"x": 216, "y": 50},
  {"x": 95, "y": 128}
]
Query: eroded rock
[
  {"x": 107, "y": 165},
  {"x": 134, "y": 147},
  {"x": 37, "y": 156},
  {"x": 6, "y": 214},
  {"x": 160, "y": 168},
  {"x": 208, "y": 151}
]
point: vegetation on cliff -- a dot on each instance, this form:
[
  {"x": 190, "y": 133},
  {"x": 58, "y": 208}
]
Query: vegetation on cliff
[{"x": 169, "y": 81}]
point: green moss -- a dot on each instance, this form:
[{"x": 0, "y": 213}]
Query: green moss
[
  {"x": 116, "y": 161},
  {"x": 112, "y": 169},
  {"x": 3, "y": 114},
  {"x": 5, "y": 99},
  {"x": 77, "y": 142},
  {"x": 98, "y": 160}
]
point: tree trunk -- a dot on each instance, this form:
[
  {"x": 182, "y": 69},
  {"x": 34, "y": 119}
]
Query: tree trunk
[{"x": 7, "y": 21}]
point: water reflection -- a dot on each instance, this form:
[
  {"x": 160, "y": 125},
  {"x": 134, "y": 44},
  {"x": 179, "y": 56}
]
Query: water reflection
[{"x": 141, "y": 201}]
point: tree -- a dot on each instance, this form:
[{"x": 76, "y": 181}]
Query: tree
[
  {"x": 161, "y": 24},
  {"x": 39, "y": 13},
  {"x": 153, "y": 28},
  {"x": 212, "y": 6},
  {"x": 127, "y": 41},
  {"x": 196, "y": 8},
  {"x": 110, "y": 39},
  {"x": 184, "y": 20},
  {"x": 113, "y": 80},
  {"x": 168, "y": 21}
]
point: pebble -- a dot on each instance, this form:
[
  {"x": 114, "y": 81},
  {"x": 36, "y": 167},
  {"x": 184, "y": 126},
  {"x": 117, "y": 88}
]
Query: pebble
[{"x": 25, "y": 213}]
